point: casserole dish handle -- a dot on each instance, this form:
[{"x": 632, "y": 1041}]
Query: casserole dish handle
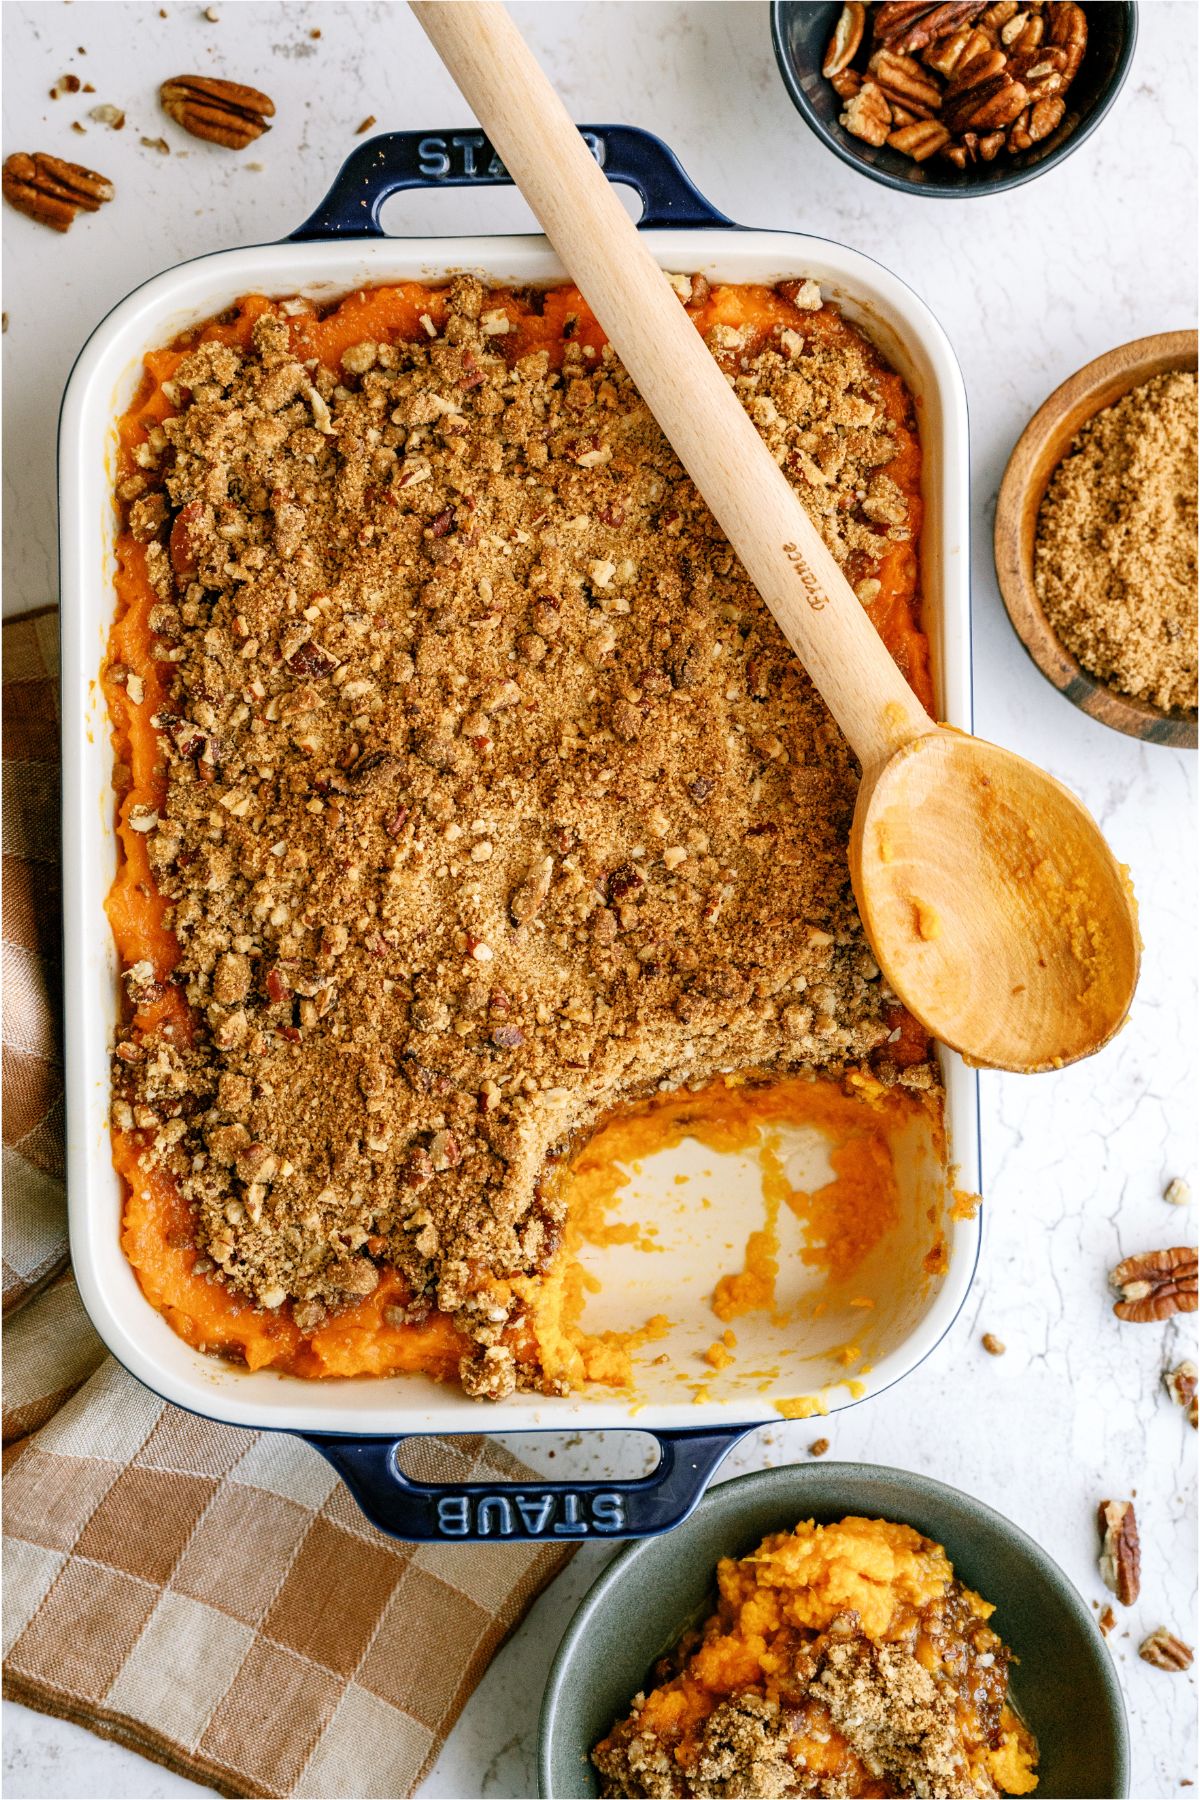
[
  {"x": 475, "y": 1512},
  {"x": 396, "y": 160}
]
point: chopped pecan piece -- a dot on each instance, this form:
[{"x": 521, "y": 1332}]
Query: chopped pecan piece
[
  {"x": 1181, "y": 1383},
  {"x": 1155, "y": 1285},
  {"x": 51, "y": 191},
  {"x": 221, "y": 112},
  {"x": 1163, "y": 1650},
  {"x": 1120, "y": 1551}
]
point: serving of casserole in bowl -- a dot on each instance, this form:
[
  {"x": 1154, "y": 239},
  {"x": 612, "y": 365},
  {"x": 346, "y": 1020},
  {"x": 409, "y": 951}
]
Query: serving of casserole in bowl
[
  {"x": 834, "y": 1628},
  {"x": 467, "y": 800}
]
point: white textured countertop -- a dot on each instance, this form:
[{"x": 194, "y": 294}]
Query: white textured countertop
[{"x": 1029, "y": 285}]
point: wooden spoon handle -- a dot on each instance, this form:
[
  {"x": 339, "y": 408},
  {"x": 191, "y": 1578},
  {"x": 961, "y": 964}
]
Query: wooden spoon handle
[{"x": 748, "y": 494}]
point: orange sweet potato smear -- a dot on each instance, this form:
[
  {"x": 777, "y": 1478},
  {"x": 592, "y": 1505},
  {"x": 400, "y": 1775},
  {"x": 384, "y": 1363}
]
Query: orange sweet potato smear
[{"x": 157, "y": 1230}]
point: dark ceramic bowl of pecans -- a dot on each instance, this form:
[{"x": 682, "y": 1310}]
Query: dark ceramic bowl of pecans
[{"x": 953, "y": 100}]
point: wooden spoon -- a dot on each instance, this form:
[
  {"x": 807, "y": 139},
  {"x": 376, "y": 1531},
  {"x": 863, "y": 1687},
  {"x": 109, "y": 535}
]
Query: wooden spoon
[{"x": 993, "y": 905}]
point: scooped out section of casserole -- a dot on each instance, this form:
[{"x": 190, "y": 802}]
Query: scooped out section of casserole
[
  {"x": 466, "y": 791},
  {"x": 841, "y": 1659}
]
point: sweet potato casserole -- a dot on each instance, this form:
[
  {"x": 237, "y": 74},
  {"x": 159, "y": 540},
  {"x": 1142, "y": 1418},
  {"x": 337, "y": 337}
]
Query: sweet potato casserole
[
  {"x": 842, "y": 1659},
  {"x": 466, "y": 789}
]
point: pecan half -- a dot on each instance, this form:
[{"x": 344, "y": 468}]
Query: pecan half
[
  {"x": 903, "y": 79},
  {"x": 1019, "y": 137},
  {"x": 961, "y": 46},
  {"x": 868, "y": 115},
  {"x": 933, "y": 23},
  {"x": 221, "y": 112},
  {"x": 1068, "y": 29},
  {"x": 1155, "y": 1285},
  {"x": 847, "y": 36},
  {"x": 1163, "y": 1650},
  {"x": 1120, "y": 1552},
  {"x": 978, "y": 67},
  {"x": 997, "y": 16},
  {"x": 895, "y": 18},
  {"x": 920, "y": 140},
  {"x": 51, "y": 191},
  {"x": 1046, "y": 116},
  {"x": 990, "y": 106},
  {"x": 1181, "y": 1383}
]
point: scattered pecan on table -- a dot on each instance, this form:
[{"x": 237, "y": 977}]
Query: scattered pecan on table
[
  {"x": 1181, "y": 1383},
  {"x": 221, "y": 112},
  {"x": 1163, "y": 1650},
  {"x": 1120, "y": 1551},
  {"x": 51, "y": 191},
  {"x": 1155, "y": 1285},
  {"x": 960, "y": 81}
]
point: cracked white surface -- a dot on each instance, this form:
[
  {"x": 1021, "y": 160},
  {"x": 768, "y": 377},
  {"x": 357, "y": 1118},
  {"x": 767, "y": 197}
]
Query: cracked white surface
[{"x": 1029, "y": 286}]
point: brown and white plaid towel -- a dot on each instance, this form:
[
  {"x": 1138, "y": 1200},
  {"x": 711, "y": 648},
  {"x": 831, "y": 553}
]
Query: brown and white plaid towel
[{"x": 211, "y": 1597}]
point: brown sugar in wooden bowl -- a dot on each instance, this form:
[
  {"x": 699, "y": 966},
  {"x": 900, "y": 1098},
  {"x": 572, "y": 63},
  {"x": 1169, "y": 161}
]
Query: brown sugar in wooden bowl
[{"x": 1039, "y": 450}]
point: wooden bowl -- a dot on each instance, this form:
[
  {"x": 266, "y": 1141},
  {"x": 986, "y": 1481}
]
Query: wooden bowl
[{"x": 1040, "y": 448}]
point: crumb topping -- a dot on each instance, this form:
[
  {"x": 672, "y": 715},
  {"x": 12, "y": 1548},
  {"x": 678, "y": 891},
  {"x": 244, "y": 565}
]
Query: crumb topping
[
  {"x": 494, "y": 794},
  {"x": 896, "y": 1725}
]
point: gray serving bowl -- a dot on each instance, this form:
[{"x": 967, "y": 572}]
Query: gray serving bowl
[
  {"x": 1064, "y": 1686},
  {"x": 800, "y": 30}
]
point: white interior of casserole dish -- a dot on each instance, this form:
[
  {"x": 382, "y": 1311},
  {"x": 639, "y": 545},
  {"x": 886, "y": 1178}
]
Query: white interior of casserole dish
[{"x": 775, "y": 1363}]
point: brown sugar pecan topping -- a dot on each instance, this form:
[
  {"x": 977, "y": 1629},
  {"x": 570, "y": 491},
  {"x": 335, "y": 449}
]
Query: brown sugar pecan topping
[
  {"x": 1163, "y": 1650},
  {"x": 51, "y": 191},
  {"x": 1155, "y": 1285},
  {"x": 221, "y": 112},
  {"x": 1120, "y": 1552}
]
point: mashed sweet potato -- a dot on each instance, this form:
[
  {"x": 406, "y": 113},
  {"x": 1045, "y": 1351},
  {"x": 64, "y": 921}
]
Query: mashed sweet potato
[{"x": 842, "y": 1658}]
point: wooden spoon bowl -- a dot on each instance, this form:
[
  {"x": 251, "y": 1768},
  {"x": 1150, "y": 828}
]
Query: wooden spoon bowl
[
  {"x": 1039, "y": 450},
  {"x": 989, "y": 910}
]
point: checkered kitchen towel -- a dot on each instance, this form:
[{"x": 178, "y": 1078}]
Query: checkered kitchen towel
[{"x": 211, "y": 1597}]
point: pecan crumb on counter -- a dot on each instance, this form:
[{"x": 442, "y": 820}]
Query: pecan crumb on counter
[
  {"x": 1120, "y": 1549},
  {"x": 1163, "y": 1650},
  {"x": 1115, "y": 553},
  {"x": 51, "y": 191},
  {"x": 1181, "y": 1383},
  {"x": 492, "y": 792}
]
